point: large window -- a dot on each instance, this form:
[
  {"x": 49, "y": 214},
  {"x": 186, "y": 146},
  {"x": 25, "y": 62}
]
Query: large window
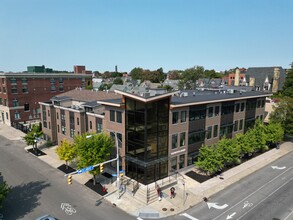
[
  {"x": 112, "y": 115},
  {"x": 174, "y": 164},
  {"x": 241, "y": 124},
  {"x": 119, "y": 117},
  {"x": 24, "y": 89},
  {"x": 216, "y": 127},
  {"x": 174, "y": 141},
  {"x": 217, "y": 110},
  {"x": 181, "y": 161},
  {"x": 196, "y": 137},
  {"x": 237, "y": 108},
  {"x": 242, "y": 106},
  {"x": 210, "y": 112},
  {"x": 15, "y": 103},
  {"x": 227, "y": 108},
  {"x": 226, "y": 130},
  {"x": 16, "y": 115},
  {"x": 236, "y": 126},
  {"x": 209, "y": 133},
  {"x": 26, "y": 107},
  {"x": 182, "y": 139},
  {"x": 175, "y": 118},
  {"x": 13, "y": 89},
  {"x": 195, "y": 114},
  {"x": 183, "y": 116}
]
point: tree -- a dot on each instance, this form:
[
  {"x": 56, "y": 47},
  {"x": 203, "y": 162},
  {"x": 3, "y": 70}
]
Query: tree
[
  {"x": 288, "y": 85},
  {"x": 189, "y": 76},
  {"x": 210, "y": 160},
  {"x": 174, "y": 75},
  {"x": 118, "y": 81},
  {"x": 229, "y": 151},
  {"x": 4, "y": 191},
  {"x": 283, "y": 114},
  {"x": 258, "y": 135},
  {"x": 137, "y": 73},
  {"x": 274, "y": 132},
  {"x": 105, "y": 86},
  {"x": 244, "y": 143},
  {"x": 31, "y": 137},
  {"x": 66, "y": 152},
  {"x": 92, "y": 149}
]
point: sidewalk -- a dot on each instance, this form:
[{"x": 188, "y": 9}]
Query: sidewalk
[{"x": 188, "y": 191}]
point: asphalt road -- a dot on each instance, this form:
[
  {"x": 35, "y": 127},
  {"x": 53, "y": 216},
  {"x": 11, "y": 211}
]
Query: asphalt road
[
  {"x": 264, "y": 195},
  {"x": 39, "y": 189}
]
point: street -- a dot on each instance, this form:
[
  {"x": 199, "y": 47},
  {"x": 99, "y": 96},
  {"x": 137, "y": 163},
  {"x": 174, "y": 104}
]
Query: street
[
  {"x": 264, "y": 195},
  {"x": 39, "y": 189}
]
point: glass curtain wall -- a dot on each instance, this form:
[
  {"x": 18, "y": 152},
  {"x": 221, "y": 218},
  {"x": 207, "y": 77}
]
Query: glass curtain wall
[{"x": 147, "y": 140}]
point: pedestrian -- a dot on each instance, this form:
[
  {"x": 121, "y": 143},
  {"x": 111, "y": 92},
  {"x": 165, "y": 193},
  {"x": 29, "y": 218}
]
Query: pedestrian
[
  {"x": 159, "y": 193},
  {"x": 172, "y": 192}
]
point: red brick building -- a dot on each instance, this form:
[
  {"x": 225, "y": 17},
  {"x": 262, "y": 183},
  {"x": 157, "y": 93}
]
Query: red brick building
[{"x": 20, "y": 93}]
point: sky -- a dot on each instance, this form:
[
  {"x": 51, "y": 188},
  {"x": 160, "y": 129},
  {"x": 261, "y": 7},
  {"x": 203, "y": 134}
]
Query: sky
[{"x": 172, "y": 34}]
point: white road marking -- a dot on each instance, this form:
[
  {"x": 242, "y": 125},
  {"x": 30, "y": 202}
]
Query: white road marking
[
  {"x": 278, "y": 168},
  {"x": 214, "y": 205},
  {"x": 188, "y": 216},
  {"x": 253, "y": 192},
  {"x": 288, "y": 215},
  {"x": 231, "y": 216},
  {"x": 138, "y": 218}
]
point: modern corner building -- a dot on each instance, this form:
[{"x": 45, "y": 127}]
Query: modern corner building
[
  {"x": 21, "y": 92},
  {"x": 158, "y": 133}
]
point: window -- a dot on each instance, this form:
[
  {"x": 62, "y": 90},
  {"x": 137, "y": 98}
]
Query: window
[
  {"x": 52, "y": 80},
  {"x": 15, "y": 103},
  {"x": 0, "y": 89},
  {"x": 0, "y": 101},
  {"x": 99, "y": 127},
  {"x": 174, "y": 164},
  {"x": 258, "y": 103},
  {"x": 195, "y": 137},
  {"x": 112, "y": 115},
  {"x": 181, "y": 161},
  {"x": 91, "y": 125},
  {"x": 58, "y": 116},
  {"x": 24, "y": 80},
  {"x": 237, "y": 107},
  {"x": 183, "y": 116},
  {"x": 26, "y": 107},
  {"x": 119, "y": 117},
  {"x": 77, "y": 120},
  {"x": 226, "y": 129},
  {"x": 174, "y": 141},
  {"x": 197, "y": 114},
  {"x": 119, "y": 138},
  {"x": 61, "y": 88},
  {"x": 13, "y": 81},
  {"x": 63, "y": 130},
  {"x": 4, "y": 90},
  {"x": 227, "y": 108},
  {"x": 174, "y": 117},
  {"x": 262, "y": 103},
  {"x": 49, "y": 125},
  {"x": 3, "y": 81},
  {"x": 242, "y": 106},
  {"x": 13, "y": 89},
  {"x": 216, "y": 130},
  {"x": 217, "y": 110},
  {"x": 53, "y": 88},
  {"x": 241, "y": 124},
  {"x": 58, "y": 128},
  {"x": 182, "y": 139},
  {"x": 209, "y": 134},
  {"x": 60, "y": 80},
  {"x": 48, "y": 113},
  {"x": 16, "y": 115},
  {"x": 236, "y": 126},
  {"x": 5, "y": 102},
  {"x": 210, "y": 112},
  {"x": 72, "y": 131},
  {"x": 24, "y": 89},
  {"x": 7, "y": 115}
]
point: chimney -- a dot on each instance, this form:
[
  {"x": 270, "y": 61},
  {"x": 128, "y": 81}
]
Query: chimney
[
  {"x": 251, "y": 81},
  {"x": 276, "y": 80},
  {"x": 237, "y": 76}
]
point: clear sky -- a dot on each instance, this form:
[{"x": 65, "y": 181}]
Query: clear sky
[{"x": 172, "y": 34}]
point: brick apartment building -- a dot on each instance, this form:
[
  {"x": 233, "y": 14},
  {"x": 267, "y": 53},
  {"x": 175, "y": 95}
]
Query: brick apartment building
[
  {"x": 159, "y": 134},
  {"x": 20, "y": 93}
]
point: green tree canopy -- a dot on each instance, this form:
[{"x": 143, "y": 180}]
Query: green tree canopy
[
  {"x": 92, "y": 149},
  {"x": 66, "y": 151},
  {"x": 4, "y": 191},
  {"x": 36, "y": 132},
  {"x": 118, "y": 81},
  {"x": 229, "y": 150},
  {"x": 283, "y": 114},
  {"x": 288, "y": 85},
  {"x": 210, "y": 160},
  {"x": 137, "y": 73},
  {"x": 274, "y": 132}
]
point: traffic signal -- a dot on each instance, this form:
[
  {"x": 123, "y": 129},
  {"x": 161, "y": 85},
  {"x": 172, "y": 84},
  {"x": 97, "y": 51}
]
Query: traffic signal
[
  {"x": 69, "y": 179},
  {"x": 101, "y": 168}
]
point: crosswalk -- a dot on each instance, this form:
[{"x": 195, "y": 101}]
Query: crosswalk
[{"x": 183, "y": 214}]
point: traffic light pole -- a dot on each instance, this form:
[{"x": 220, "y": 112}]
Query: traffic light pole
[{"x": 108, "y": 161}]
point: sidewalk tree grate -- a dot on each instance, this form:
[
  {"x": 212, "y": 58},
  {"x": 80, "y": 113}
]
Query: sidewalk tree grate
[
  {"x": 172, "y": 210},
  {"x": 164, "y": 209}
]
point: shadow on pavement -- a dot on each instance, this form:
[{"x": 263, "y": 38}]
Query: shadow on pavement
[{"x": 23, "y": 199}]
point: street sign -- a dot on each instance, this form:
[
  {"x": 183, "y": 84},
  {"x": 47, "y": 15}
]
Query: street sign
[{"x": 86, "y": 169}]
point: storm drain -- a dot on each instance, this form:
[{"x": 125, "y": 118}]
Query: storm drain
[{"x": 149, "y": 215}]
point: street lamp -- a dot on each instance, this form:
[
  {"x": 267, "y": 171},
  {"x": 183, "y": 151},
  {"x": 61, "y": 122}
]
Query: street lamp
[{"x": 35, "y": 142}]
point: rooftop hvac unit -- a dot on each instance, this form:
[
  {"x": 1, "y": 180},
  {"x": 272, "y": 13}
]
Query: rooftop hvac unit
[{"x": 184, "y": 94}]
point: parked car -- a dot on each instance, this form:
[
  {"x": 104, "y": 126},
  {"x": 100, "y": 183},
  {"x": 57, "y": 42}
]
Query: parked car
[{"x": 46, "y": 217}]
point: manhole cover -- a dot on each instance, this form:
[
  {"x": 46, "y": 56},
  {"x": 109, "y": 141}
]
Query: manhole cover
[
  {"x": 172, "y": 209},
  {"x": 164, "y": 209}
]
